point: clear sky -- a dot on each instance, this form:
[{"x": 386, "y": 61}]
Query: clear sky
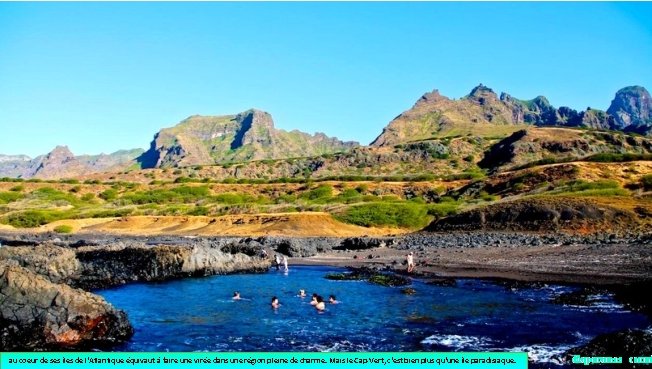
[{"x": 106, "y": 76}]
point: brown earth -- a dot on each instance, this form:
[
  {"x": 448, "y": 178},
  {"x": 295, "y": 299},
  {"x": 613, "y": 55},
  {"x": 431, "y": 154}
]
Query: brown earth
[{"x": 307, "y": 224}]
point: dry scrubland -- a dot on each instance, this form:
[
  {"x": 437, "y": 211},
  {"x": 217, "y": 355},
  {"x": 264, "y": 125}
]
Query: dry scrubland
[{"x": 316, "y": 208}]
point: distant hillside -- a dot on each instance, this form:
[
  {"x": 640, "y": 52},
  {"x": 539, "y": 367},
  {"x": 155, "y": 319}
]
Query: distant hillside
[
  {"x": 250, "y": 135},
  {"x": 483, "y": 113},
  {"x": 550, "y": 144},
  {"x": 61, "y": 163}
]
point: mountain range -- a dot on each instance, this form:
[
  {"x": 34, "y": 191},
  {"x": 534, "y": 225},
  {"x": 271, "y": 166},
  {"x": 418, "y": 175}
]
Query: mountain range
[{"x": 251, "y": 135}]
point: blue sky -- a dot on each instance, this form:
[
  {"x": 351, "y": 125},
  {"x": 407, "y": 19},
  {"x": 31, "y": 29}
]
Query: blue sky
[{"x": 106, "y": 76}]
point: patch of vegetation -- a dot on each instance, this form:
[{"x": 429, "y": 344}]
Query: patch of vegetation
[
  {"x": 7, "y": 197},
  {"x": 64, "y": 228},
  {"x": 601, "y": 188},
  {"x": 55, "y": 196},
  {"x": 443, "y": 209},
  {"x": 35, "y": 218},
  {"x": 108, "y": 195},
  {"x": 646, "y": 181},
  {"x": 378, "y": 214},
  {"x": 233, "y": 198},
  {"x": 617, "y": 158},
  {"x": 319, "y": 194},
  {"x": 198, "y": 211}
]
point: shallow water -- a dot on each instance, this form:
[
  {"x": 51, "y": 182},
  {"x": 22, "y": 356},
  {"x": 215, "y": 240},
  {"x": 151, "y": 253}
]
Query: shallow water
[{"x": 476, "y": 315}]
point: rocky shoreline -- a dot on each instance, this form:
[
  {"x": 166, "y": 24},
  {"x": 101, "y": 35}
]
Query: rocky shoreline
[{"x": 56, "y": 311}]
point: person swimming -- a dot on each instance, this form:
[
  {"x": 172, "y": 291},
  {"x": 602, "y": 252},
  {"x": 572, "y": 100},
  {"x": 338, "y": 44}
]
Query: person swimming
[
  {"x": 333, "y": 300},
  {"x": 302, "y": 293},
  {"x": 275, "y": 303},
  {"x": 313, "y": 300},
  {"x": 320, "y": 305},
  {"x": 236, "y": 295}
]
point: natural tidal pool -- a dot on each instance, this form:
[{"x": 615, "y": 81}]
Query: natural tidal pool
[{"x": 197, "y": 314}]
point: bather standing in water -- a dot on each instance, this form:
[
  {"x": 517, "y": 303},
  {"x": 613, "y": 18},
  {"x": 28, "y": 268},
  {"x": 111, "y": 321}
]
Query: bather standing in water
[
  {"x": 277, "y": 259},
  {"x": 410, "y": 262},
  {"x": 236, "y": 295},
  {"x": 313, "y": 300},
  {"x": 320, "y": 303},
  {"x": 285, "y": 263}
]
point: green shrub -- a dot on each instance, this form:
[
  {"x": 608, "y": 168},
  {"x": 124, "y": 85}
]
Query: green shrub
[
  {"x": 286, "y": 199},
  {"x": 405, "y": 215},
  {"x": 362, "y": 188},
  {"x": 64, "y": 228},
  {"x": 88, "y": 197},
  {"x": 646, "y": 181},
  {"x": 118, "y": 213},
  {"x": 108, "y": 195},
  {"x": 192, "y": 192},
  {"x": 616, "y": 158},
  {"x": 199, "y": 211},
  {"x": 7, "y": 197},
  {"x": 34, "y": 218},
  {"x": 581, "y": 185},
  {"x": 443, "y": 209},
  {"x": 233, "y": 198},
  {"x": 52, "y": 195},
  {"x": 322, "y": 192}
]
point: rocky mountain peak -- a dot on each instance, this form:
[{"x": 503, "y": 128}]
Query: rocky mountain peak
[
  {"x": 632, "y": 109},
  {"x": 482, "y": 95},
  {"x": 256, "y": 128},
  {"x": 60, "y": 154},
  {"x": 430, "y": 97}
]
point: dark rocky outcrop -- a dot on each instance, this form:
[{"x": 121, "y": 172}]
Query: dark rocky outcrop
[
  {"x": 552, "y": 214},
  {"x": 363, "y": 243},
  {"x": 372, "y": 276},
  {"x": 41, "y": 309},
  {"x": 625, "y": 344},
  {"x": 91, "y": 267},
  {"x": 38, "y": 314},
  {"x": 550, "y": 145}
]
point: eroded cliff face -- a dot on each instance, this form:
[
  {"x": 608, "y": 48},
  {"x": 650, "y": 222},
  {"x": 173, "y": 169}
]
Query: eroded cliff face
[{"x": 250, "y": 135}]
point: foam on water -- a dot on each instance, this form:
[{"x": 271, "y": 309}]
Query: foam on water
[
  {"x": 542, "y": 353},
  {"x": 458, "y": 342}
]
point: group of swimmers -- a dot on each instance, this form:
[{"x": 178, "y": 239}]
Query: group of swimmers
[{"x": 317, "y": 301}]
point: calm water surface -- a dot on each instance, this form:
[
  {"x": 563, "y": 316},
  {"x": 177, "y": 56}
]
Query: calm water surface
[{"x": 476, "y": 315}]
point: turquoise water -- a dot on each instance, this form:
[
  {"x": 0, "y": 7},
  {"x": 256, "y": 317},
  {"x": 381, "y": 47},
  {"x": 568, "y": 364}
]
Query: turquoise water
[{"x": 476, "y": 315}]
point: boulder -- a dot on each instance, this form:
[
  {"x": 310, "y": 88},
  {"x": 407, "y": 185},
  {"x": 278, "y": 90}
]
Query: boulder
[{"x": 38, "y": 314}]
